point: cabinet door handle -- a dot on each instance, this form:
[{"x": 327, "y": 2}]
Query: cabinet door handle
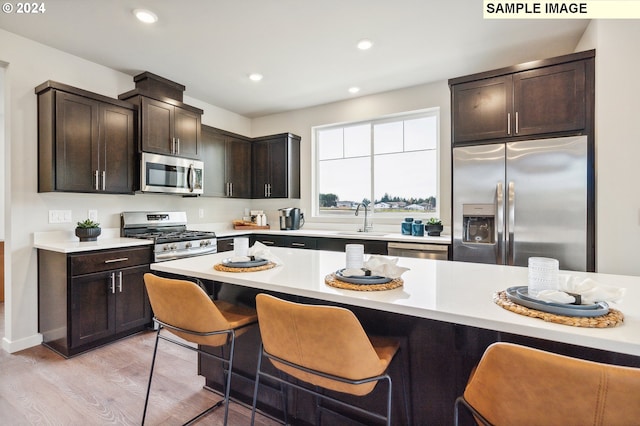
[
  {"x": 120, "y": 281},
  {"x": 173, "y": 145},
  {"x": 517, "y": 122},
  {"x": 266, "y": 193},
  {"x": 230, "y": 189},
  {"x": 177, "y": 145},
  {"x": 96, "y": 176},
  {"x": 113, "y": 283},
  {"x": 120, "y": 259},
  {"x": 269, "y": 185},
  {"x": 104, "y": 180},
  {"x": 508, "y": 123}
]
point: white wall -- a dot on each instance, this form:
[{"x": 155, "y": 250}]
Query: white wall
[
  {"x": 30, "y": 64},
  {"x": 617, "y": 143}
]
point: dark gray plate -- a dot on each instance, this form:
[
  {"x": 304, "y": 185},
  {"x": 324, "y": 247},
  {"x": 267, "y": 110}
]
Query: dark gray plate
[
  {"x": 600, "y": 308},
  {"x": 247, "y": 264},
  {"x": 523, "y": 293},
  {"x": 362, "y": 279}
]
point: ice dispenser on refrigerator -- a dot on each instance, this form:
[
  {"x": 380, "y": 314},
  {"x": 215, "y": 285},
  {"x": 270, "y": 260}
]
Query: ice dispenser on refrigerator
[{"x": 478, "y": 224}]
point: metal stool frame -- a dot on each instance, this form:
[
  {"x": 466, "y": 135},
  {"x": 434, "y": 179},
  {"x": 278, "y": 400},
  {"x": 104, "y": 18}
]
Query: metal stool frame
[
  {"x": 383, "y": 377},
  {"x": 229, "y": 362}
]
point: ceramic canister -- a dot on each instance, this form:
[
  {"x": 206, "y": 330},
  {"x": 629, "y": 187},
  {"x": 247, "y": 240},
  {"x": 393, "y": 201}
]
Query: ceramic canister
[
  {"x": 406, "y": 226},
  {"x": 417, "y": 228}
]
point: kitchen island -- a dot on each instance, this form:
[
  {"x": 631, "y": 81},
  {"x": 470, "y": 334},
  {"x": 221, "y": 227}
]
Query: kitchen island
[{"x": 444, "y": 309}]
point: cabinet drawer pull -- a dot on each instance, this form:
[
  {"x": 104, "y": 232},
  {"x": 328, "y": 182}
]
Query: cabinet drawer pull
[
  {"x": 268, "y": 243},
  {"x": 297, "y": 244},
  {"x": 120, "y": 259}
]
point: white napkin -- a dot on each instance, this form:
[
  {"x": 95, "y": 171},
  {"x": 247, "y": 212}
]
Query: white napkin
[
  {"x": 379, "y": 266},
  {"x": 260, "y": 251},
  {"x": 592, "y": 291},
  {"x": 589, "y": 290}
]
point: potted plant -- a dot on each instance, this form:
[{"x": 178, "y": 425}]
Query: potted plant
[
  {"x": 434, "y": 227},
  {"x": 88, "y": 230}
]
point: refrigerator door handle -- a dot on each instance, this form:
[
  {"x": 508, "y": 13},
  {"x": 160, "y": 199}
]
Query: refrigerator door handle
[
  {"x": 511, "y": 222},
  {"x": 499, "y": 226}
]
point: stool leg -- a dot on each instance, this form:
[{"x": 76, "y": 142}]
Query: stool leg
[
  {"x": 227, "y": 392},
  {"x": 153, "y": 363},
  {"x": 255, "y": 388}
]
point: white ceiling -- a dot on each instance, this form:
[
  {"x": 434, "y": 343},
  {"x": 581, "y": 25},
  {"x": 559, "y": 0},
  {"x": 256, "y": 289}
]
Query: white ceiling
[{"x": 304, "y": 48}]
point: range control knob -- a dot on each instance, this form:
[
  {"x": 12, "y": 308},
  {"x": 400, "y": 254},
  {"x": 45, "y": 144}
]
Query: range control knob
[{"x": 187, "y": 245}]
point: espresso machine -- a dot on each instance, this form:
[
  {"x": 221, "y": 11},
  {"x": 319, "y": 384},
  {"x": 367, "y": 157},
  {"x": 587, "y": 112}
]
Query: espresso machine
[{"x": 291, "y": 218}]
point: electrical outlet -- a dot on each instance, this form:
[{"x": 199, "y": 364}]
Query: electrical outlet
[
  {"x": 200, "y": 213},
  {"x": 92, "y": 215},
  {"x": 59, "y": 216}
]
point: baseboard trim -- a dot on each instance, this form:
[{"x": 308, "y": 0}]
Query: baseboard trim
[{"x": 21, "y": 344}]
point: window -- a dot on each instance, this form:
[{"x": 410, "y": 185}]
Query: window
[{"x": 391, "y": 163}]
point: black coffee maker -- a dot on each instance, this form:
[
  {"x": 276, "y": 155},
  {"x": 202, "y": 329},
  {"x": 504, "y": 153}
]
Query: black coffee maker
[{"x": 291, "y": 218}]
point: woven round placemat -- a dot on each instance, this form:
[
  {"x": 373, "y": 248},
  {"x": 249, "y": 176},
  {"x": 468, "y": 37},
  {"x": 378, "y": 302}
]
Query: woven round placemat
[
  {"x": 612, "y": 319},
  {"x": 221, "y": 267},
  {"x": 333, "y": 281}
]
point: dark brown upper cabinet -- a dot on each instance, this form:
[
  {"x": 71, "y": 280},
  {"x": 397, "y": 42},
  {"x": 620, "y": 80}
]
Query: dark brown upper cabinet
[
  {"x": 167, "y": 125},
  {"x": 86, "y": 142},
  {"x": 168, "y": 128},
  {"x": 538, "y": 98},
  {"x": 276, "y": 166},
  {"x": 227, "y": 160}
]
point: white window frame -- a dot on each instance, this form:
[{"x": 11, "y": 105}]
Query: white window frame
[{"x": 381, "y": 218}]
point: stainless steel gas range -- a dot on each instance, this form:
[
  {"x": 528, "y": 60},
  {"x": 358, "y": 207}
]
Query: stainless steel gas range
[{"x": 169, "y": 232}]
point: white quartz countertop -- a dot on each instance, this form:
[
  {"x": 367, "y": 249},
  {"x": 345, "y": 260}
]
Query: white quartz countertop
[
  {"x": 322, "y": 233},
  {"x": 101, "y": 244},
  {"x": 455, "y": 292},
  {"x": 67, "y": 242}
]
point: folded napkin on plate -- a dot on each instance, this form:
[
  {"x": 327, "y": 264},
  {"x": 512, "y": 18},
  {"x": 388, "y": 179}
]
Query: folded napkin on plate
[
  {"x": 260, "y": 251},
  {"x": 589, "y": 290},
  {"x": 379, "y": 266}
]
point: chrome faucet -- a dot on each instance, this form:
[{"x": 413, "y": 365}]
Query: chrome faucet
[{"x": 367, "y": 226}]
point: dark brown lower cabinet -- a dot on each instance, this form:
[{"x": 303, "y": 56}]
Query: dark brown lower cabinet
[{"x": 92, "y": 298}]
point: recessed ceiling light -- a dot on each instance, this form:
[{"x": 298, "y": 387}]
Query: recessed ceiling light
[
  {"x": 364, "y": 44},
  {"x": 255, "y": 76},
  {"x": 354, "y": 89},
  {"x": 146, "y": 16}
]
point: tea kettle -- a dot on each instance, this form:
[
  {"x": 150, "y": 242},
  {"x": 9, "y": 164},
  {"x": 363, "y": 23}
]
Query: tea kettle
[{"x": 291, "y": 218}]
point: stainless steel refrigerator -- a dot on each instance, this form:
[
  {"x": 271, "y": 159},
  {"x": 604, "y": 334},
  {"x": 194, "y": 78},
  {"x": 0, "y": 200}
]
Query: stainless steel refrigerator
[{"x": 516, "y": 200}]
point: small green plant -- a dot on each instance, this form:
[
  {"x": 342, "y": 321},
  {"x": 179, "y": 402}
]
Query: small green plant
[
  {"x": 88, "y": 224},
  {"x": 434, "y": 221}
]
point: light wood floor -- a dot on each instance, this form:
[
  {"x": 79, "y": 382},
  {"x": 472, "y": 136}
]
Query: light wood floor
[{"x": 107, "y": 386}]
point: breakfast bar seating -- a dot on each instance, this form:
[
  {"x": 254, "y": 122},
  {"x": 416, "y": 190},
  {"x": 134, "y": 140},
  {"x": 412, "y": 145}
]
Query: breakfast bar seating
[
  {"x": 518, "y": 385},
  {"x": 327, "y": 347},
  {"x": 184, "y": 309}
]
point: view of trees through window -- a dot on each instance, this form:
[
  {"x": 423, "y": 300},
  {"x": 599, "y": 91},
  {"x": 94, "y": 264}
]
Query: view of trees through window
[{"x": 390, "y": 163}]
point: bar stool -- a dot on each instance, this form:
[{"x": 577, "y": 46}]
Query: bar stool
[
  {"x": 327, "y": 347},
  {"x": 185, "y": 310},
  {"x": 517, "y": 385}
]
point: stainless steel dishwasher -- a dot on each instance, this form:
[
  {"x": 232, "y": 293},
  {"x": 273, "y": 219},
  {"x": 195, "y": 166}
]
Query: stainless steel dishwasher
[{"x": 419, "y": 250}]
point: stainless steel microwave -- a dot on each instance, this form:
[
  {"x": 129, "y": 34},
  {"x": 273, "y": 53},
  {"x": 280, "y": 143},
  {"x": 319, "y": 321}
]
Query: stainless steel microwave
[{"x": 172, "y": 175}]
